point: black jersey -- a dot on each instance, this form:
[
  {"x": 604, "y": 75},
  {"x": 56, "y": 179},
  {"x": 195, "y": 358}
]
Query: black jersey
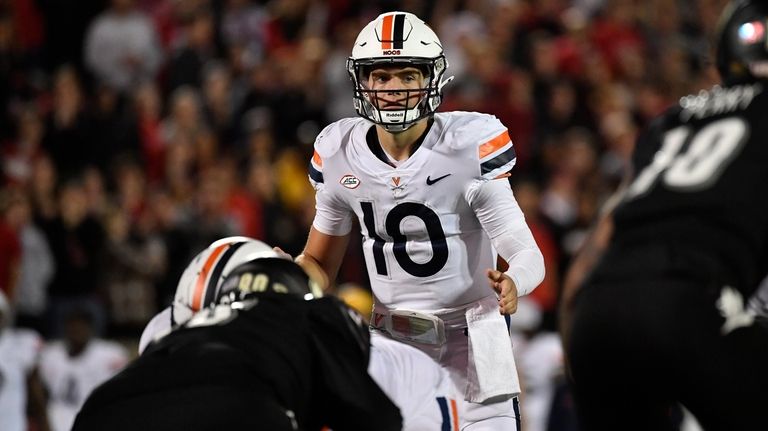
[
  {"x": 236, "y": 368},
  {"x": 695, "y": 206}
]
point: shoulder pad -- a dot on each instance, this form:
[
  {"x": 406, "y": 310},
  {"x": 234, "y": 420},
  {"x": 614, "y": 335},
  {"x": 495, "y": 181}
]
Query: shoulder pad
[
  {"x": 469, "y": 129},
  {"x": 334, "y": 136}
]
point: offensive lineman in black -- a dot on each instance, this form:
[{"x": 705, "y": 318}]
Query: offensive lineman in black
[
  {"x": 266, "y": 356},
  {"x": 662, "y": 318}
]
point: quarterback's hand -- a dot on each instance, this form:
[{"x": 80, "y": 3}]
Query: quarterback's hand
[
  {"x": 313, "y": 270},
  {"x": 505, "y": 288},
  {"x": 309, "y": 265}
]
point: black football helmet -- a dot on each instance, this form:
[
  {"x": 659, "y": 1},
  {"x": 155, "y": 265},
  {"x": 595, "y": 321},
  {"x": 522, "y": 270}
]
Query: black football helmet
[
  {"x": 742, "y": 45},
  {"x": 267, "y": 275}
]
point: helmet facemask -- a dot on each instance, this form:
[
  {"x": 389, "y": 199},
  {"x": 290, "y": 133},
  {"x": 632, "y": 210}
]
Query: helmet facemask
[{"x": 368, "y": 102}]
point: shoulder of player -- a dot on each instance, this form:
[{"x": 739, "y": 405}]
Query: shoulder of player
[
  {"x": 24, "y": 344},
  {"x": 26, "y": 337},
  {"x": 461, "y": 129},
  {"x": 336, "y": 135}
]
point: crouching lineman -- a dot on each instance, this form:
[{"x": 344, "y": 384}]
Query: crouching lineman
[
  {"x": 421, "y": 388},
  {"x": 268, "y": 354}
]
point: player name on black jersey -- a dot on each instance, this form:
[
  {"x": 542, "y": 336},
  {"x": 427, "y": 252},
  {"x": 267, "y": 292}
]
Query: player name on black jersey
[{"x": 717, "y": 101}]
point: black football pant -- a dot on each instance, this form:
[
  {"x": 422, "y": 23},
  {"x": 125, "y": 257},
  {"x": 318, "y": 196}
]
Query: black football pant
[{"x": 640, "y": 347}]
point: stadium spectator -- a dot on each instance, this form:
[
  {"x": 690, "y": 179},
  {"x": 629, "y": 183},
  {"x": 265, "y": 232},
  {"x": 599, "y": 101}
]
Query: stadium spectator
[
  {"x": 36, "y": 265},
  {"x": 77, "y": 240},
  {"x": 10, "y": 243},
  {"x": 22, "y": 396},
  {"x": 121, "y": 48}
]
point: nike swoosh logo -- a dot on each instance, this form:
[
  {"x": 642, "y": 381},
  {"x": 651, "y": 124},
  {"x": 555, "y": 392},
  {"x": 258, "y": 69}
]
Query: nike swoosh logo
[{"x": 431, "y": 181}]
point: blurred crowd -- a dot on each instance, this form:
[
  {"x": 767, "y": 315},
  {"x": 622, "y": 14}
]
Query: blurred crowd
[{"x": 135, "y": 132}]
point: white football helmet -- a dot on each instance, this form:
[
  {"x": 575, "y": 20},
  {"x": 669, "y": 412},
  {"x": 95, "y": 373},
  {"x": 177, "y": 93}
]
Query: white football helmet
[
  {"x": 201, "y": 281},
  {"x": 397, "y": 38}
]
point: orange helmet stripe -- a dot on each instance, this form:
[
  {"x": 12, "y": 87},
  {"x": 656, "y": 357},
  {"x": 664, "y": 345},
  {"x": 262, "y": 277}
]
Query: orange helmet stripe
[
  {"x": 386, "y": 32},
  {"x": 197, "y": 298}
]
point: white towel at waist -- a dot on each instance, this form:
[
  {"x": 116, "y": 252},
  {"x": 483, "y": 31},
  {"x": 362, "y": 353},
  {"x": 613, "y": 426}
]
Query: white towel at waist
[
  {"x": 491, "y": 371},
  {"x": 478, "y": 351}
]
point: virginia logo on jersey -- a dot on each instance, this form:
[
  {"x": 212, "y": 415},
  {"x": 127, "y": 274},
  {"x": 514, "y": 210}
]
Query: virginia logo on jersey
[{"x": 349, "y": 181}]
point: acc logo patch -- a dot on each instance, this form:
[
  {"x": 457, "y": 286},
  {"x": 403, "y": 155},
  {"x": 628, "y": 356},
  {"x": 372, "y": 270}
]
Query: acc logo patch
[{"x": 349, "y": 181}]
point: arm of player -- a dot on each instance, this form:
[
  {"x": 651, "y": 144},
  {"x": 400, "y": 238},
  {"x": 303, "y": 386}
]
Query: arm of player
[
  {"x": 36, "y": 401},
  {"x": 497, "y": 210},
  {"x": 322, "y": 256}
]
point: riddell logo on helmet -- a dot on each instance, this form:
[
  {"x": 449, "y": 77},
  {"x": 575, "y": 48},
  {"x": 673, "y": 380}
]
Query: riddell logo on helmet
[{"x": 391, "y": 52}]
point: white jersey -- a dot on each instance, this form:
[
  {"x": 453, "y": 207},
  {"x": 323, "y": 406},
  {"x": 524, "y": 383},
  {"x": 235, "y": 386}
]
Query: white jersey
[
  {"x": 419, "y": 386},
  {"x": 417, "y": 221},
  {"x": 19, "y": 351},
  {"x": 70, "y": 380}
]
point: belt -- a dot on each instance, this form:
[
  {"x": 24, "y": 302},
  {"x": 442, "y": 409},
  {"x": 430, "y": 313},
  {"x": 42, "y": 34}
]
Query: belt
[{"x": 409, "y": 325}]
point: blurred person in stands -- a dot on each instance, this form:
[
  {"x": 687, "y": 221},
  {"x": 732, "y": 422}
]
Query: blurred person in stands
[
  {"x": 135, "y": 258},
  {"x": 663, "y": 317},
  {"x": 22, "y": 397},
  {"x": 244, "y": 25},
  {"x": 220, "y": 103},
  {"x": 19, "y": 156},
  {"x": 268, "y": 353},
  {"x": 10, "y": 244},
  {"x": 74, "y": 366},
  {"x": 197, "y": 47},
  {"x": 36, "y": 264},
  {"x": 42, "y": 190},
  {"x": 77, "y": 241},
  {"x": 431, "y": 195},
  {"x": 148, "y": 106},
  {"x": 185, "y": 125},
  {"x": 122, "y": 48},
  {"x": 68, "y": 139}
]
